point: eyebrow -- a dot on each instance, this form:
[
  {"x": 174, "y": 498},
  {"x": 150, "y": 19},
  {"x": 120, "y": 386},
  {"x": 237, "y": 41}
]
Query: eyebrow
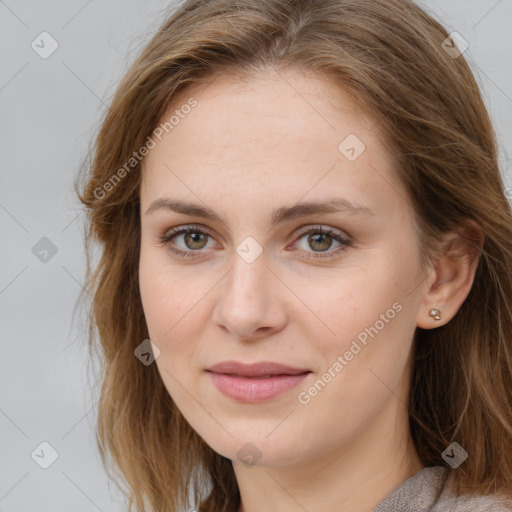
[{"x": 279, "y": 215}]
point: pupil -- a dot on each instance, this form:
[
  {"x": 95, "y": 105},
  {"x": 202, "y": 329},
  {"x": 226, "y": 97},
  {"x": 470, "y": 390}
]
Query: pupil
[
  {"x": 194, "y": 237},
  {"x": 318, "y": 239}
]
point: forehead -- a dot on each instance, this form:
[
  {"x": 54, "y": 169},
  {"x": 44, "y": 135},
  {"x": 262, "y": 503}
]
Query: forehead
[
  {"x": 283, "y": 133},
  {"x": 288, "y": 103}
]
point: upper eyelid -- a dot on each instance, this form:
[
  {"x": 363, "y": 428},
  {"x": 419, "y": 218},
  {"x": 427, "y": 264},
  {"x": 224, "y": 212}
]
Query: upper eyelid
[
  {"x": 299, "y": 232},
  {"x": 322, "y": 227}
]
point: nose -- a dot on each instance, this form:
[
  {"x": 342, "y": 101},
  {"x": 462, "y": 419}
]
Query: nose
[{"x": 250, "y": 304}]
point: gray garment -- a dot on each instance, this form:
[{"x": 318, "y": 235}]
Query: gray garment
[{"x": 426, "y": 492}]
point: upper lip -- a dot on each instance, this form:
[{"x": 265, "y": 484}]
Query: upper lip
[{"x": 258, "y": 369}]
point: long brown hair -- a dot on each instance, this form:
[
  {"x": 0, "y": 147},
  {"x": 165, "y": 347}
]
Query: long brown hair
[{"x": 393, "y": 57}]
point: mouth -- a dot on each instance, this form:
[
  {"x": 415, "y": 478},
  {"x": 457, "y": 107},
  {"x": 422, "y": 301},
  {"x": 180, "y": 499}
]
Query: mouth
[
  {"x": 256, "y": 377},
  {"x": 259, "y": 369},
  {"x": 257, "y": 382}
]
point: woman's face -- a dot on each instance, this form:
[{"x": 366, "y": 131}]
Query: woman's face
[{"x": 260, "y": 282}]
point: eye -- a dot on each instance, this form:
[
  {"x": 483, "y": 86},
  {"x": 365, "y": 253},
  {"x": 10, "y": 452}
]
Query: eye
[
  {"x": 193, "y": 238},
  {"x": 318, "y": 238},
  {"x": 321, "y": 239}
]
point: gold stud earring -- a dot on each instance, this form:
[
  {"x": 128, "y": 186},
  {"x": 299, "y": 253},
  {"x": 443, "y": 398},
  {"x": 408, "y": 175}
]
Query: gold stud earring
[{"x": 435, "y": 314}]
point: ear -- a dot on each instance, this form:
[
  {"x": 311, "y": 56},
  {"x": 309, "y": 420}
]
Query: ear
[{"x": 450, "y": 282}]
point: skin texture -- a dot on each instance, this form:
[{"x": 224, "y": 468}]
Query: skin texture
[{"x": 248, "y": 147}]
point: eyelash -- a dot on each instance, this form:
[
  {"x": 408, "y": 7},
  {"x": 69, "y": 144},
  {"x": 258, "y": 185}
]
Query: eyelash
[{"x": 169, "y": 235}]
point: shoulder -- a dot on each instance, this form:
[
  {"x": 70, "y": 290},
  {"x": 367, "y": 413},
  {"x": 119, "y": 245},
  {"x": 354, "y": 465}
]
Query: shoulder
[
  {"x": 470, "y": 504},
  {"x": 429, "y": 490},
  {"x": 419, "y": 493},
  {"x": 448, "y": 502}
]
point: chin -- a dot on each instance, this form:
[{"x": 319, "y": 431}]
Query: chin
[{"x": 254, "y": 448}]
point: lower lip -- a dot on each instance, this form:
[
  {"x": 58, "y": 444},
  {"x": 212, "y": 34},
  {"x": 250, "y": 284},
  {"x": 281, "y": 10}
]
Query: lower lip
[{"x": 247, "y": 389}]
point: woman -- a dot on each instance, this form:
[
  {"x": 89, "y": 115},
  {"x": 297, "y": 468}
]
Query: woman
[{"x": 303, "y": 299}]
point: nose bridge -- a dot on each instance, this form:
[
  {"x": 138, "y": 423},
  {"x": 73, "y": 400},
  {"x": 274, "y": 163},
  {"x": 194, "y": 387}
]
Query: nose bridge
[
  {"x": 246, "y": 305},
  {"x": 247, "y": 282},
  {"x": 249, "y": 271}
]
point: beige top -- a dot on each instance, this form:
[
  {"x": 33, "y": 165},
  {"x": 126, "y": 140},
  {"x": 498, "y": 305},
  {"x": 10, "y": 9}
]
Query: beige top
[{"x": 426, "y": 492}]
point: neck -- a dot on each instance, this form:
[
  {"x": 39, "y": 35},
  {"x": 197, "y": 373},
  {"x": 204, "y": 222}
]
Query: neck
[{"x": 354, "y": 477}]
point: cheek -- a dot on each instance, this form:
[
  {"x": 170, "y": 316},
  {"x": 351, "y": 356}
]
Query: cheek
[
  {"x": 351, "y": 300},
  {"x": 363, "y": 360},
  {"x": 166, "y": 316},
  {"x": 156, "y": 303},
  {"x": 370, "y": 325},
  {"x": 164, "y": 298},
  {"x": 173, "y": 312}
]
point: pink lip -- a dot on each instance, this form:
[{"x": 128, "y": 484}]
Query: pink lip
[{"x": 255, "y": 382}]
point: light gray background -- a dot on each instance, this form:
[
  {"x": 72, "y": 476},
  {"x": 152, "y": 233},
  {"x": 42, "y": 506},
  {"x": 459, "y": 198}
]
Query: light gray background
[{"x": 49, "y": 111}]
